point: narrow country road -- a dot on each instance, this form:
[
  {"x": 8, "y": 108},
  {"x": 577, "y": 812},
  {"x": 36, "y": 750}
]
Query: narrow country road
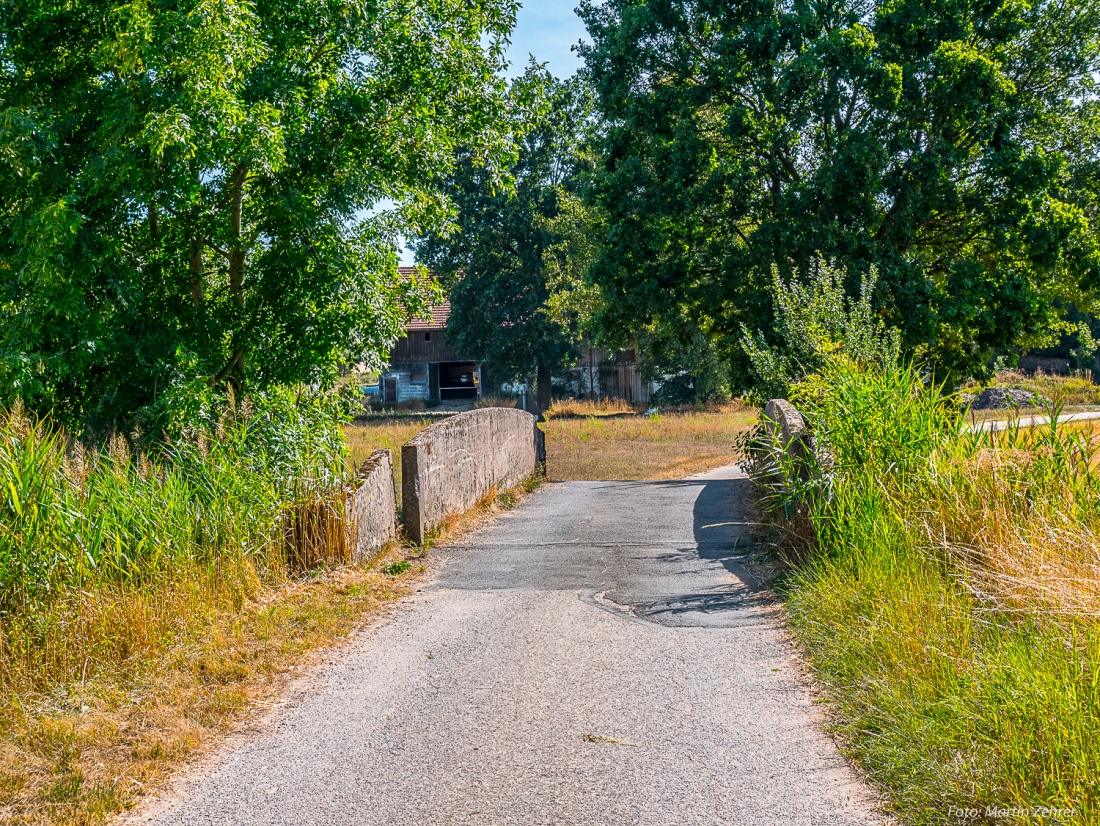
[{"x": 597, "y": 656}]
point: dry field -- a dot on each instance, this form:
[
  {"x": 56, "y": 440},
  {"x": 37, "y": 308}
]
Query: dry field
[
  {"x": 668, "y": 446},
  {"x": 609, "y": 443},
  {"x": 368, "y": 435}
]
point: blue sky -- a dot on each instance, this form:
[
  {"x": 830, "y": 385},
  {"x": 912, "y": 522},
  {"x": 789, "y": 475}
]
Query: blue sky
[{"x": 546, "y": 29}]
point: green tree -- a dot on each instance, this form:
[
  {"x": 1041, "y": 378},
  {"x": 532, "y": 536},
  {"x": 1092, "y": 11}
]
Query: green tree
[
  {"x": 189, "y": 188},
  {"x": 951, "y": 144},
  {"x": 500, "y": 260},
  {"x": 815, "y": 323}
]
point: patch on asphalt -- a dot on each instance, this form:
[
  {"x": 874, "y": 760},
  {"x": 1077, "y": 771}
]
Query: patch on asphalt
[{"x": 718, "y": 608}]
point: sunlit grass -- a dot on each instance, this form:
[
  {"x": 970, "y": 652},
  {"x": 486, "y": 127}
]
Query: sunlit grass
[
  {"x": 950, "y": 601},
  {"x": 592, "y": 407},
  {"x": 1076, "y": 389},
  {"x": 668, "y": 446},
  {"x": 147, "y": 599}
]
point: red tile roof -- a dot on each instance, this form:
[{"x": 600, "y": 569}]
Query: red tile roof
[{"x": 440, "y": 312}]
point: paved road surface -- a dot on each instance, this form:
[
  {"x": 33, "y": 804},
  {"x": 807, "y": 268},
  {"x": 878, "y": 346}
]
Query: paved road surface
[
  {"x": 597, "y": 656},
  {"x": 1031, "y": 421}
]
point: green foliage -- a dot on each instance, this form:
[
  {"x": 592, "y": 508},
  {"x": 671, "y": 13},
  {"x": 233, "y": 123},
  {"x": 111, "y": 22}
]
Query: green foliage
[
  {"x": 576, "y": 229},
  {"x": 940, "y": 602},
  {"x": 73, "y": 517},
  {"x": 507, "y": 239},
  {"x": 186, "y": 189},
  {"x": 815, "y": 323},
  {"x": 954, "y": 146},
  {"x": 691, "y": 373},
  {"x": 1085, "y": 353},
  {"x": 396, "y": 568}
]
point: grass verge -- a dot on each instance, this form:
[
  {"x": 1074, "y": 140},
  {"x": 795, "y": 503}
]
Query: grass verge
[
  {"x": 85, "y": 750},
  {"x": 948, "y": 600},
  {"x": 149, "y": 597}
]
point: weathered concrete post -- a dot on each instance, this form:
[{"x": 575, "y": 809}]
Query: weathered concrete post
[
  {"x": 371, "y": 506},
  {"x": 786, "y": 427},
  {"x": 448, "y": 467}
]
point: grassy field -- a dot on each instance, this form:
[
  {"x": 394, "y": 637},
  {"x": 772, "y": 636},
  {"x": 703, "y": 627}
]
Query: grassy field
[
  {"x": 368, "y": 435},
  {"x": 668, "y": 446},
  {"x": 947, "y": 597}
]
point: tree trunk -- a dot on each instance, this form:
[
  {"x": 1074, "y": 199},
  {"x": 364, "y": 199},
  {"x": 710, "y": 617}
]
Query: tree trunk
[
  {"x": 542, "y": 386},
  {"x": 194, "y": 264},
  {"x": 236, "y": 266}
]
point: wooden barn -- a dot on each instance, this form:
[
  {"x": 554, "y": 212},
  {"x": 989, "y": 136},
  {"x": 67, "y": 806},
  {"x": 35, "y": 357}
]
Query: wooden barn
[
  {"x": 423, "y": 366},
  {"x": 600, "y": 373}
]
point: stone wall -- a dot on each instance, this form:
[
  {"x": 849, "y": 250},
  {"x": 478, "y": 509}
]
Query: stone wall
[
  {"x": 785, "y": 427},
  {"x": 451, "y": 465},
  {"x": 371, "y": 506},
  {"x": 791, "y": 450}
]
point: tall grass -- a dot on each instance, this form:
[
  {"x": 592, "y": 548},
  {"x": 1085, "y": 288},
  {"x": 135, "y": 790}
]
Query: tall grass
[
  {"x": 107, "y": 555},
  {"x": 583, "y": 408},
  {"x": 948, "y": 601}
]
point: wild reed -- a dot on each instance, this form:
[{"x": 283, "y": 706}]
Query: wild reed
[
  {"x": 107, "y": 554},
  {"x": 948, "y": 599}
]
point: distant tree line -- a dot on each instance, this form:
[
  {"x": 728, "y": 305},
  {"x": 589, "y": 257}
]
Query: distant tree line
[
  {"x": 189, "y": 190},
  {"x": 189, "y": 193},
  {"x": 954, "y": 146}
]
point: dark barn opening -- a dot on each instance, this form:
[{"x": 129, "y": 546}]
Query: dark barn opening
[{"x": 458, "y": 380}]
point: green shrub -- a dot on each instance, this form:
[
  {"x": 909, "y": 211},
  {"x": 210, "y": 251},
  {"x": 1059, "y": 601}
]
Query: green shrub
[
  {"x": 814, "y": 322},
  {"x": 89, "y": 534},
  {"x": 948, "y": 599}
]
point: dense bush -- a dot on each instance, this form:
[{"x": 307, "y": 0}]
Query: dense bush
[
  {"x": 88, "y": 533},
  {"x": 948, "y": 597},
  {"x": 814, "y": 322}
]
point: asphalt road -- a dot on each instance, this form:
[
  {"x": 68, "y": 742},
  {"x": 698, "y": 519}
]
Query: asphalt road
[
  {"x": 1030, "y": 421},
  {"x": 599, "y": 655}
]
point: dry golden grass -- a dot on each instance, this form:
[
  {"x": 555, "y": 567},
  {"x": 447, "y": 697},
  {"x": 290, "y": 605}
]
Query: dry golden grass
[
  {"x": 87, "y": 750},
  {"x": 139, "y": 677},
  {"x": 669, "y": 446},
  {"x": 497, "y": 401},
  {"x": 1018, "y": 516},
  {"x": 564, "y": 408},
  {"x": 368, "y": 435}
]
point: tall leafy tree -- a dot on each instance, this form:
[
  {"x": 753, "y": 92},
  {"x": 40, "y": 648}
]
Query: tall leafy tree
[
  {"x": 951, "y": 143},
  {"x": 499, "y": 259},
  {"x": 189, "y": 188}
]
